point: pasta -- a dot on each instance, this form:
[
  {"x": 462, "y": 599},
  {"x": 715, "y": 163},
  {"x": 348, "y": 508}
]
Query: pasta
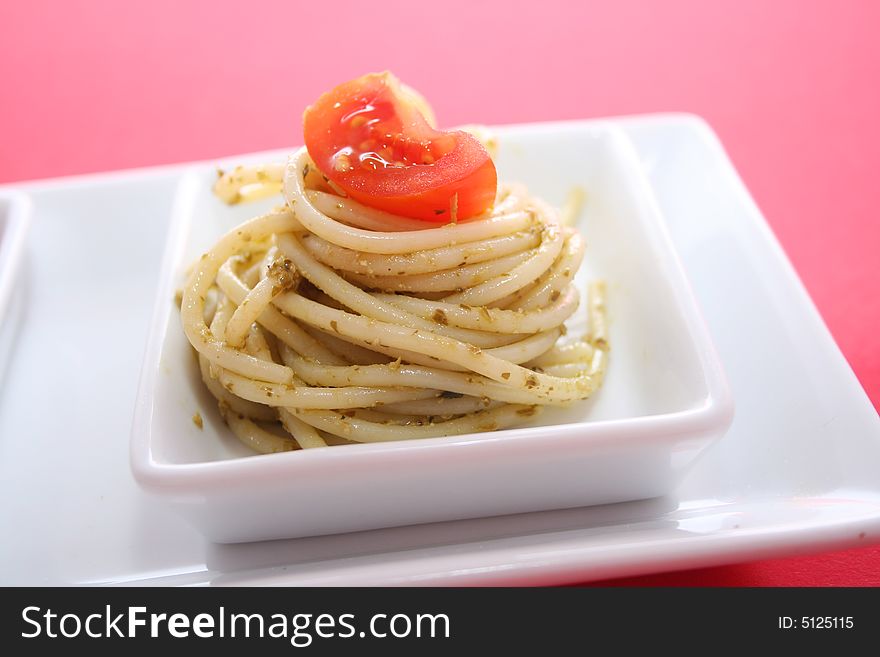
[{"x": 325, "y": 322}]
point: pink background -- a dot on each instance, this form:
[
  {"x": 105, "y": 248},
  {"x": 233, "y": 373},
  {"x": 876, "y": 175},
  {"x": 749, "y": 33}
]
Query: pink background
[{"x": 792, "y": 88}]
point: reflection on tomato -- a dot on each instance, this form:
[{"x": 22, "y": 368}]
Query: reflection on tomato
[{"x": 370, "y": 137}]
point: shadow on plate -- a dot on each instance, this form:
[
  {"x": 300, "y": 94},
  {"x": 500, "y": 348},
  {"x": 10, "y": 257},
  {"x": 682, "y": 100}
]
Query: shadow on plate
[{"x": 236, "y": 562}]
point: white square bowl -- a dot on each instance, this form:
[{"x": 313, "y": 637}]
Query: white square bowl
[{"x": 665, "y": 397}]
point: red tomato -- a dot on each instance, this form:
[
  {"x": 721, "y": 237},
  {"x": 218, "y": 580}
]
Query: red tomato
[{"x": 369, "y": 137}]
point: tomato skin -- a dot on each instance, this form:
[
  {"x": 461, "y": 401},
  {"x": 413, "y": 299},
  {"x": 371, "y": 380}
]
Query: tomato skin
[{"x": 370, "y": 137}]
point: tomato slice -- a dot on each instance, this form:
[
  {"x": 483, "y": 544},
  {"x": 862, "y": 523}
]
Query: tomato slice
[{"x": 370, "y": 137}]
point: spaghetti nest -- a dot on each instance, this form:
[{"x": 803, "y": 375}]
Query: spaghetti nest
[{"x": 341, "y": 323}]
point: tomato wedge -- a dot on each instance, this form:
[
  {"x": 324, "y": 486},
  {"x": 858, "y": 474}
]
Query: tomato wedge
[{"x": 371, "y": 138}]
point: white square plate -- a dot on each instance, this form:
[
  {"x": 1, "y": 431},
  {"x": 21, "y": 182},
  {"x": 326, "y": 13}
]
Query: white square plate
[
  {"x": 796, "y": 472},
  {"x": 15, "y": 216},
  {"x": 664, "y": 399},
  {"x": 14, "y": 221}
]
